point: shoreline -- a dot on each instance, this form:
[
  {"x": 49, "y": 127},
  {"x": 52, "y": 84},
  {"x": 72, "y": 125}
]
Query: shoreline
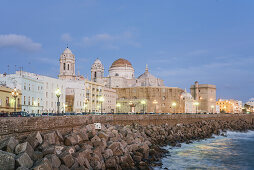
[{"x": 113, "y": 147}]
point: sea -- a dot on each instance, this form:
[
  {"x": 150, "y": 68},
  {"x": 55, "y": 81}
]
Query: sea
[{"x": 233, "y": 152}]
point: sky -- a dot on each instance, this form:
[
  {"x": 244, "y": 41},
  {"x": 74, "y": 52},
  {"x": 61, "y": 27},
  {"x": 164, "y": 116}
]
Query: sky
[{"x": 182, "y": 41}]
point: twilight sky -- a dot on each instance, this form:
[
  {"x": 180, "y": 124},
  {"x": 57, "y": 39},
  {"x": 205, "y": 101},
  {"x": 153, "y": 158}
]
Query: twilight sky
[{"x": 211, "y": 41}]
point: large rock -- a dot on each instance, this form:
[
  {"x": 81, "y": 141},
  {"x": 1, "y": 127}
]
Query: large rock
[
  {"x": 43, "y": 164},
  {"x": 108, "y": 153},
  {"x": 51, "y": 138},
  {"x": 9, "y": 144},
  {"x": 60, "y": 136},
  {"x": 24, "y": 160},
  {"x": 22, "y": 168},
  {"x": 53, "y": 150},
  {"x": 63, "y": 167},
  {"x": 117, "y": 148},
  {"x": 7, "y": 161},
  {"x": 24, "y": 147},
  {"x": 34, "y": 139},
  {"x": 54, "y": 160},
  {"x": 71, "y": 140},
  {"x": 96, "y": 141},
  {"x": 111, "y": 163},
  {"x": 67, "y": 159},
  {"x": 37, "y": 155},
  {"x": 103, "y": 135}
]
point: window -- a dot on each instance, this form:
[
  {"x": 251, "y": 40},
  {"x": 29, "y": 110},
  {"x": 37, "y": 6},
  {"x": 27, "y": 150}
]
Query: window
[
  {"x": 64, "y": 66},
  {"x": 29, "y": 87},
  {"x": 7, "y": 101},
  {"x": 38, "y": 101},
  {"x": 32, "y": 100},
  {"x": 24, "y": 86},
  {"x": 68, "y": 67},
  {"x": 29, "y": 102},
  {"x": 24, "y": 100}
]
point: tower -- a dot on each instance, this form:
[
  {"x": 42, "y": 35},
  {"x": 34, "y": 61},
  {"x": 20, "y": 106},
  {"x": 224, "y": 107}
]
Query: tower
[
  {"x": 67, "y": 65},
  {"x": 97, "y": 71}
]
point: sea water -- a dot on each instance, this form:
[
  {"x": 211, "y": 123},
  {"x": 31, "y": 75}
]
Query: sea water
[{"x": 236, "y": 151}]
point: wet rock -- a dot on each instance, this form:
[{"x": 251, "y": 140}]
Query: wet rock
[
  {"x": 9, "y": 144},
  {"x": 24, "y": 160},
  {"x": 7, "y": 160}
]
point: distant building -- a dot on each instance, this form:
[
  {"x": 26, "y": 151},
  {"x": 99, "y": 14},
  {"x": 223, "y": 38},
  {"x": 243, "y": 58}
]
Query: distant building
[
  {"x": 205, "y": 95},
  {"x": 189, "y": 102},
  {"x": 250, "y": 102},
  {"x": 7, "y": 101},
  {"x": 31, "y": 89},
  {"x": 229, "y": 106},
  {"x": 157, "y": 99},
  {"x": 121, "y": 75}
]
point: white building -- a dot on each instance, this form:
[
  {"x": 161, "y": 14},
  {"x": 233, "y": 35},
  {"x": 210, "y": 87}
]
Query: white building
[
  {"x": 109, "y": 104},
  {"x": 250, "y": 102},
  {"x": 189, "y": 106},
  {"x": 31, "y": 88}
]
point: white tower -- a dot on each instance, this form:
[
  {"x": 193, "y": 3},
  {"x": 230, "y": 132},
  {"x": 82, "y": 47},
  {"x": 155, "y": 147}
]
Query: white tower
[
  {"x": 97, "y": 71},
  {"x": 67, "y": 65}
]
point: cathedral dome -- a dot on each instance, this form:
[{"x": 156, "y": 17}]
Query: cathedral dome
[{"x": 121, "y": 63}]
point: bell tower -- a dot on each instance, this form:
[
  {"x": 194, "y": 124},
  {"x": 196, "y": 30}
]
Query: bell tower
[
  {"x": 67, "y": 65},
  {"x": 97, "y": 71}
]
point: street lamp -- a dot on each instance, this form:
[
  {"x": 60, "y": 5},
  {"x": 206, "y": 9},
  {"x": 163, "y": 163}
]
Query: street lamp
[
  {"x": 212, "y": 108},
  {"x": 143, "y": 102},
  {"x": 58, "y": 94},
  {"x": 101, "y": 99},
  {"x": 130, "y": 103},
  {"x": 118, "y": 105},
  {"x": 15, "y": 94},
  {"x": 86, "y": 102},
  {"x": 155, "y": 102},
  {"x": 174, "y": 106},
  {"x": 196, "y": 104}
]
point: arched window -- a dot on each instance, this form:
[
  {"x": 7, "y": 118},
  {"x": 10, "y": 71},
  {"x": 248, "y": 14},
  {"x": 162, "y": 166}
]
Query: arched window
[
  {"x": 64, "y": 66},
  {"x": 95, "y": 74},
  {"x": 116, "y": 74}
]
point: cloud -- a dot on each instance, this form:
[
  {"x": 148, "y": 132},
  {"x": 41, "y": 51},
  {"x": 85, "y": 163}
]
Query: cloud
[
  {"x": 110, "y": 41},
  {"x": 66, "y": 37},
  {"x": 20, "y": 42}
]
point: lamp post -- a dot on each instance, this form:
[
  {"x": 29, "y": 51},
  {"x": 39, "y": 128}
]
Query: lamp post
[
  {"x": 174, "y": 106},
  {"x": 58, "y": 94},
  {"x": 101, "y": 99},
  {"x": 212, "y": 108},
  {"x": 155, "y": 102},
  {"x": 118, "y": 105},
  {"x": 86, "y": 102},
  {"x": 15, "y": 94},
  {"x": 143, "y": 102},
  {"x": 130, "y": 103},
  {"x": 196, "y": 104}
]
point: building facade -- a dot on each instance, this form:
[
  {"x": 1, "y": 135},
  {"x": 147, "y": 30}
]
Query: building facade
[
  {"x": 109, "y": 103},
  {"x": 30, "y": 87},
  {"x": 156, "y": 99},
  {"x": 205, "y": 96},
  {"x": 7, "y": 101},
  {"x": 189, "y": 102},
  {"x": 229, "y": 106}
]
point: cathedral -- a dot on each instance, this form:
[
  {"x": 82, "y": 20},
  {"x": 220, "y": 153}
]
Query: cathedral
[{"x": 121, "y": 75}]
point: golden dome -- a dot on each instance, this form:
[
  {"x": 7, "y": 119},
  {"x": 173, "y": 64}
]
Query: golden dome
[{"x": 121, "y": 63}]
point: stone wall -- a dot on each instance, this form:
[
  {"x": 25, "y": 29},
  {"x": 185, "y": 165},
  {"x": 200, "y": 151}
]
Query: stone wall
[{"x": 12, "y": 126}]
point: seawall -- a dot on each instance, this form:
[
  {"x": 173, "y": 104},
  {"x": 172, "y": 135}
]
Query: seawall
[{"x": 11, "y": 126}]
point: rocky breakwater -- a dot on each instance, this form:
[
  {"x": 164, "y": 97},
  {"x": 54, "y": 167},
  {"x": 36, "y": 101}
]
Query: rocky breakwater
[{"x": 112, "y": 147}]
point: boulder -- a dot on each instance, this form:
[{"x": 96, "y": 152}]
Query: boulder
[
  {"x": 96, "y": 141},
  {"x": 24, "y": 147},
  {"x": 111, "y": 163},
  {"x": 37, "y": 155},
  {"x": 42, "y": 164},
  {"x": 63, "y": 167},
  {"x": 71, "y": 140},
  {"x": 34, "y": 139},
  {"x": 53, "y": 150},
  {"x": 67, "y": 159},
  {"x": 108, "y": 153},
  {"x": 117, "y": 148},
  {"x": 103, "y": 135},
  {"x": 7, "y": 161},
  {"x": 54, "y": 160},
  {"x": 22, "y": 168},
  {"x": 24, "y": 160},
  {"x": 59, "y": 135},
  {"x": 9, "y": 144},
  {"x": 51, "y": 138}
]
